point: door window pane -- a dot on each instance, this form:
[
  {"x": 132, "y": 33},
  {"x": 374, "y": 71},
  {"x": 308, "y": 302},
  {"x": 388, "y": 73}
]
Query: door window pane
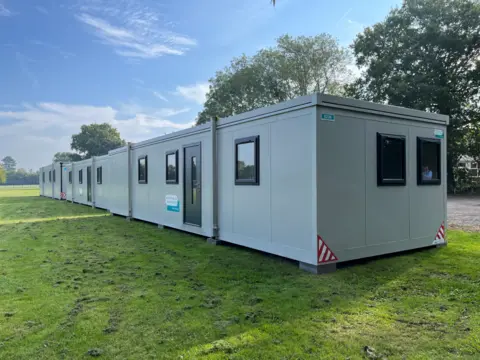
[{"x": 194, "y": 179}]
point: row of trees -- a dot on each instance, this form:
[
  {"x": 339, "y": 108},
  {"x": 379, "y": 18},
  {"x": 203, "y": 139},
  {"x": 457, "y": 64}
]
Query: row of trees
[
  {"x": 93, "y": 140},
  {"x": 424, "y": 55},
  {"x": 10, "y": 175}
]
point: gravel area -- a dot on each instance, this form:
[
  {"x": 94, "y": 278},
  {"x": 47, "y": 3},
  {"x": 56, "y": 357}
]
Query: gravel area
[{"x": 464, "y": 212}]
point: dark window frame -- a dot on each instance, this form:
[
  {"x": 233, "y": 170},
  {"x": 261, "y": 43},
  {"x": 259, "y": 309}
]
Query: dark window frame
[
  {"x": 70, "y": 177},
  {"x": 43, "y": 176},
  {"x": 50, "y": 176},
  {"x": 167, "y": 180},
  {"x": 80, "y": 176},
  {"x": 54, "y": 176},
  {"x": 380, "y": 155},
  {"x": 256, "y": 158},
  {"x": 144, "y": 157},
  {"x": 420, "y": 180},
  {"x": 99, "y": 178}
]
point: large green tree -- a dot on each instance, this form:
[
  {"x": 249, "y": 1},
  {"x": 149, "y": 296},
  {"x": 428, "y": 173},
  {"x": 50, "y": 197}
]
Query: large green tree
[
  {"x": 66, "y": 157},
  {"x": 295, "y": 66},
  {"x": 425, "y": 55},
  {"x": 9, "y": 163},
  {"x": 96, "y": 140},
  {"x": 3, "y": 175}
]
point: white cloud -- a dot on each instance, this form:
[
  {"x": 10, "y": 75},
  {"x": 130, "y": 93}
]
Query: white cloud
[
  {"x": 196, "y": 92},
  {"x": 4, "y": 11},
  {"x": 33, "y": 133},
  {"x": 159, "y": 96},
  {"x": 133, "y": 30},
  {"x": 42, "y": 10}
]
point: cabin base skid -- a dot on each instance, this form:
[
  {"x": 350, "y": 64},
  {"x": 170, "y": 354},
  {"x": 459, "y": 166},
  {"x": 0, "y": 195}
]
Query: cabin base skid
[
  {"x": 317, "y": 269},
  {"x": 213, "y": 241}
]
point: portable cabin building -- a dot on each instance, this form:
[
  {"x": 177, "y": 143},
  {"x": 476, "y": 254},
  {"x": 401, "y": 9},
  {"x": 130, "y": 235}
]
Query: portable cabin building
[
  {"x": 82, "y": 182},
  {"x": 100, "y": 181},
  {"x": 118, "y": 181},
  {"x": 318, "y": 179}
]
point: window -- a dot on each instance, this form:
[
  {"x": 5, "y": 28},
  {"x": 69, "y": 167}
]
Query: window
[
  {"x": 194, "y": 179},
  {"x": 428, "y": 161},
  {"x": 171, "y": 169},
  {"x": 69, "y": 177},
  {"x": 43, "y": 176},
  {"x": 80, "y": 177},
  {"x": 391, "y": 163},
  {"x": 53, "y": 175},
  {"x": 142, "y": 170},
  {"x": 50, "y": 176},
  {"x": 99, "y": 175},
  {"x": 247, "y": 161}
]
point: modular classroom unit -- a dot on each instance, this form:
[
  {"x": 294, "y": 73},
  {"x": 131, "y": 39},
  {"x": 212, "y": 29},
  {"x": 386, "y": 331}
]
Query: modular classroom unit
[{"x": 318, "y": 179}]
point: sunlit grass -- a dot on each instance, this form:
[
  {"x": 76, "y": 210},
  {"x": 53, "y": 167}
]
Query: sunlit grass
[{"x": 74, "y": 280}]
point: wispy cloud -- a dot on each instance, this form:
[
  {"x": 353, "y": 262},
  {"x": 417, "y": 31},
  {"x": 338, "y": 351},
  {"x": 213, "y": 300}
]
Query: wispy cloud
[
  {"x": 196, "y": 92},
  {"x": 4, "y": 11},
  {"x": 138, "y": 81},
  {"x": 159, "y": 96},
  {"x": 345, "y": 14},
  {"x": 64, "y": 54},
  {"x": 133, "y": 30},
  {"x": 42, "y": 10}
]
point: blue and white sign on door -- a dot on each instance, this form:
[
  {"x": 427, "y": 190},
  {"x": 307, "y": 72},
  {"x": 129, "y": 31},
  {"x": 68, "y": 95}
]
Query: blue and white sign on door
[{"x": 172, "y": 203}]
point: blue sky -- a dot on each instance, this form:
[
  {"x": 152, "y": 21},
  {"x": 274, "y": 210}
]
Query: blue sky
[{"x": 141, "y": 65}]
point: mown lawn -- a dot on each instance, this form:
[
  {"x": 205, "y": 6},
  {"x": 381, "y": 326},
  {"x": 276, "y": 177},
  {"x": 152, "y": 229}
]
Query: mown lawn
[{"x": 75, "y": 283}]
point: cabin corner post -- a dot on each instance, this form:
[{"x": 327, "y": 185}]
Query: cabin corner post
[
  {"x": 214, "y": 155},
  {"x": 92, "y": 178},
  {"x": 130, "y": 183}
]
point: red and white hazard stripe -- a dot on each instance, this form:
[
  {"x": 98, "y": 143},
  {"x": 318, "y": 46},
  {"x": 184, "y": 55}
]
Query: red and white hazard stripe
[
  {"x": 440, "y": 237},
  {"x": 324, "y": 253}
]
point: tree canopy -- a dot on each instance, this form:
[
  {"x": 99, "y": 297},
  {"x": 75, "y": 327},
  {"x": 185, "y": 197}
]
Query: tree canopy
[
  {"x": 425, "y": 55},
  {"x": 9, "y": 163},
  {"x": 96, "y": 140},
  {"x": 66, "y": 157},
  {"x": 295, "y": 66},
  {"x": 3, "y": 175}
]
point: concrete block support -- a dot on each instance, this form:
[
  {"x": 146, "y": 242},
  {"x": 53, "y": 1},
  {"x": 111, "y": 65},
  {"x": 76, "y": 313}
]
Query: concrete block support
[{"x": 317, "y": 269}]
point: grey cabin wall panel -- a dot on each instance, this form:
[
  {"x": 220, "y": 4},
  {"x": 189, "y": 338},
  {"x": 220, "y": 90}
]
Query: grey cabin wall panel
[
  {"x": 387, "y": 210},
  {"x": 48, "y": 186},
  {"x": 68, "y": 186},
  {"x": 101, "y": 190},
  {"x": 292, "y": 152},
  {"x": 117, "y": 187},
  {"x": 427, "y": 202},
  {"x": 81, "y": 191},
  {"x": 58, "y": 181},
  {"x": 245, "y": 208},
  {"x": 341, "y": 180},
  {"x": 148, "y": 200},
  {"x": 41, "y": 182},
  {"x": 142, "y": 194},
  {"x": 246, "y": 211}
]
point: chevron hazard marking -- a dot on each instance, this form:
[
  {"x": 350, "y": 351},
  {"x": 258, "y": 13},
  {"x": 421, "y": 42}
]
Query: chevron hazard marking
[
  {"x": 324, "y": 253},
  {"x": 440, "y": 237}
]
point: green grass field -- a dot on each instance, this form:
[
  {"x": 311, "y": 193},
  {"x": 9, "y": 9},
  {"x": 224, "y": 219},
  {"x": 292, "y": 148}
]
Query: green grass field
[{"x": 76, "y": 283}]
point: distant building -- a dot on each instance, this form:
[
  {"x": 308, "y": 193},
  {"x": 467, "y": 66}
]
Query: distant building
[{"x": 473, "y": 167}]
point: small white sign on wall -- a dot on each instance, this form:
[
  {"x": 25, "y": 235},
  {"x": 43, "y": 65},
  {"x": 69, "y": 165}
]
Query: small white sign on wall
[
  {"x": 80, "y": 191},
  {"x": 172, "y": 203}
]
